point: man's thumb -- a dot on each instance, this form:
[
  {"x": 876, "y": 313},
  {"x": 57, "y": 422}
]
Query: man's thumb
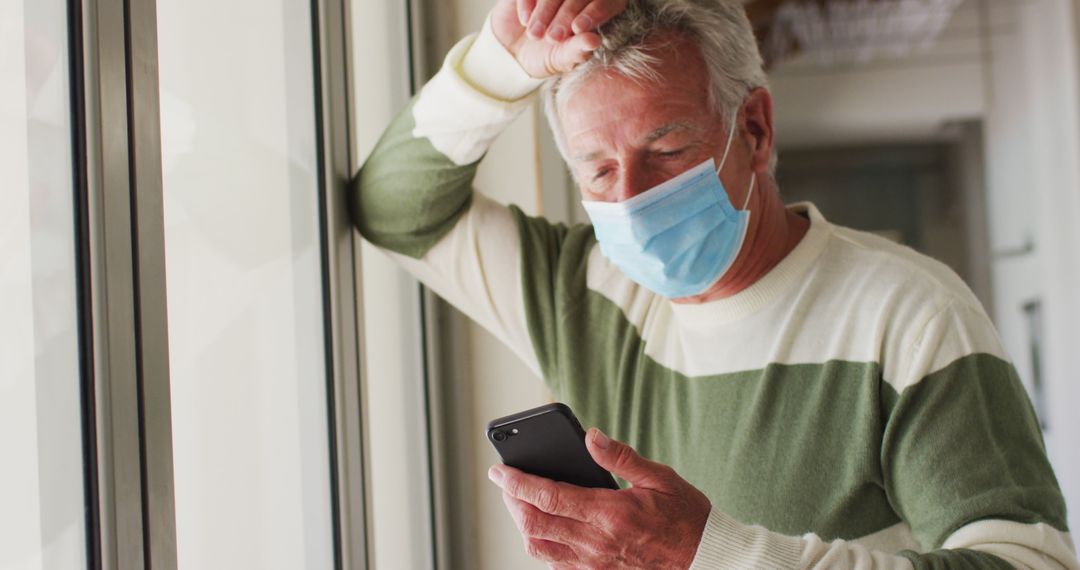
[
  {"x": 624, "y": 462},
  {"x": 573, "y": 52}
]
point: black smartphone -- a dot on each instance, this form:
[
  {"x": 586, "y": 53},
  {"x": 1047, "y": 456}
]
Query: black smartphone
[{"x": 548, "y": 441}]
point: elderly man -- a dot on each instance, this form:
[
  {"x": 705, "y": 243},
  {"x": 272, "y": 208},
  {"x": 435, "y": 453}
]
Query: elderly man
[{"x": 806, "y": 395}]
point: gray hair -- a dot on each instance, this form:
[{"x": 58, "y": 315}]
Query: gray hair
[{"x": 719, "y": 28}]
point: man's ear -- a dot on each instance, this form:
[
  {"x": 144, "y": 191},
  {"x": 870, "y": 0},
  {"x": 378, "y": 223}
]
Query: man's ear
[{"x": 758, "y": 126}]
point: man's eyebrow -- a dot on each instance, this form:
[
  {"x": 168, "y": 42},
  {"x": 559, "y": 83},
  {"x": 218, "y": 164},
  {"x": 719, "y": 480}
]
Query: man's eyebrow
[
  {"x": 655, "y": 135},
  {"x": 588, "y": 157},
  {"x": 667, "y": 129}
]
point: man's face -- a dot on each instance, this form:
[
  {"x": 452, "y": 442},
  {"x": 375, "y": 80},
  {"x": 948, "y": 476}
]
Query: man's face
[{"x": 624, "y": 137}]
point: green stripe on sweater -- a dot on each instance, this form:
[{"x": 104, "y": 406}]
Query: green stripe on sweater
[
  {"x": 792, "y": 448},
  {"x": 965, "y": 441},
  {"x": 959, "y": 559},
  {"x": 408, "y": 195}
]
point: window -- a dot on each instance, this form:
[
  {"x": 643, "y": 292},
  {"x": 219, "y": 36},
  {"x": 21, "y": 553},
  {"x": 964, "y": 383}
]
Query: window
[
  {"x": 240, "y": 172},
  {"x": 179, "y": 362},
  {"x": 43, "y": 518}
]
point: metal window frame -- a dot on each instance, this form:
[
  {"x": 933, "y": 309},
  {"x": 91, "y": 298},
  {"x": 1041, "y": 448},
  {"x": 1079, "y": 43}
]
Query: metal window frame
[
  {"x": 135, "y": 510},
  {"x": 120, "y": 234},
  {"x": 84, "y": 300},
  {"x": 341, "y": 285}
]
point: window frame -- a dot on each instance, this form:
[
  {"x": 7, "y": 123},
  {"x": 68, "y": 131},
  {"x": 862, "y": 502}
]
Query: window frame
[{"x": 124, "y": 350}]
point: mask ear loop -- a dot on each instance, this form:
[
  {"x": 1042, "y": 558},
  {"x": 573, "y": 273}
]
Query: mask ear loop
[
  {"x": 753, "y": 178},
  {"x": 730, "y": 137},
  {"x": 727, "y": 147}
]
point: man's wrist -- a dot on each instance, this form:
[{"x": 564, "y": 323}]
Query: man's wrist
[
  {"x": 491, "y": 68},
  {"x": 694, "y": 540},
  {"x": 727, "y": 543}
]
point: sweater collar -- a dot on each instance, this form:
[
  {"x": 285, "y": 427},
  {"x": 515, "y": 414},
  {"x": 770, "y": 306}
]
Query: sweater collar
[{"x": 773, "y": 284}]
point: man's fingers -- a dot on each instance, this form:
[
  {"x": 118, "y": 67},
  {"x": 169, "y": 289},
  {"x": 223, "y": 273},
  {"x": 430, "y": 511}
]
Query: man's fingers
[
  {"x": 551, "y": 497},
  {"x": 560, "y": 28},
  {"x": 596, "y": 14},
  {"x": 623, "y": 461},
  {"x": 548, "y": 551},
  {"x": 544, "y": 494},
  {"x": 534, "y": 523},
  {"x": 542, "y": 14},
  {"x": 573, "y": 17},
  {"x": 524, "y": 11}
]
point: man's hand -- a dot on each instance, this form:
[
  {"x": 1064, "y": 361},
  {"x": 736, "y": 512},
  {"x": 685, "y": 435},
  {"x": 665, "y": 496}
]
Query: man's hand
[
  {"x": 655, "y": 524},
  {"x": 551, "y": 37}
]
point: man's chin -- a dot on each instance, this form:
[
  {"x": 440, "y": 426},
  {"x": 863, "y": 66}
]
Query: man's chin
[
  {"x": 705, "y": 296},
  {"x": 692, "y": 300}
]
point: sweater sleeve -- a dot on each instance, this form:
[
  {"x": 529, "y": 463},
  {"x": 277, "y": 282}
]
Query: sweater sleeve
[
  {"x": 414, "y": 198},
  {"x": 963, "y": 463}
]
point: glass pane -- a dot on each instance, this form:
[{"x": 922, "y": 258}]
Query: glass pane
[
  {"x": 42, "y": 501},
  {"x": 249, "y": 407}
]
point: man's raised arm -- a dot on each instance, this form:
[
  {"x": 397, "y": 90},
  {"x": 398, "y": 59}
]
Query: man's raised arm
[{"x": 414, "y": 197}]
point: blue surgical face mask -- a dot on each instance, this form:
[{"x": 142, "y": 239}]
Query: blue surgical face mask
[{"x": 676, "y": 239}]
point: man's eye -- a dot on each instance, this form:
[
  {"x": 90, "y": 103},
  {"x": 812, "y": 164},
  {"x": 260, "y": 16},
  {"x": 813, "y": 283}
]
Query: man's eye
[
  {"x": 672, "y": 153},
  {"x": 601, "y": 173}
]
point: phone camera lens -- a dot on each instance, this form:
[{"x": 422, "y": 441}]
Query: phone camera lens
[{"x": 499, "y": 436}]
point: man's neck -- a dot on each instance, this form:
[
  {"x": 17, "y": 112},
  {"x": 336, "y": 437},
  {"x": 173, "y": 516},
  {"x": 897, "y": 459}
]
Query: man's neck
[{"x": 774, "y": 231}]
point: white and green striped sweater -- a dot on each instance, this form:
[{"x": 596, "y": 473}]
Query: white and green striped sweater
[{"x": 852, "y": 409}]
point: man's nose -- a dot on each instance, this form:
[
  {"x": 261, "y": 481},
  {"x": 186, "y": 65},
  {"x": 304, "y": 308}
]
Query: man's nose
[{"x": 633, "y": 180}]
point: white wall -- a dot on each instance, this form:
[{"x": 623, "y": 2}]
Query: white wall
[
  {"x": 1033, "y": 141},
  {"x": 885, "y": 100}
]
